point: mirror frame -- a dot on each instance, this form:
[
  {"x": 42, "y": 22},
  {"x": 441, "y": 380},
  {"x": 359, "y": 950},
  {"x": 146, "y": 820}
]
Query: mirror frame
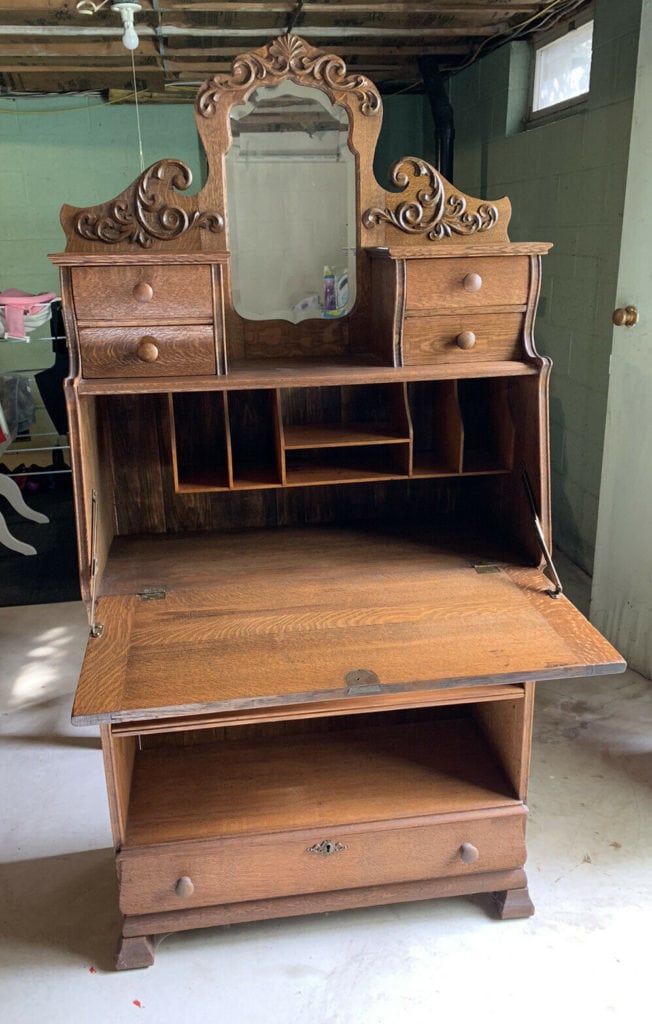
[{"x": 290, "y": 58}]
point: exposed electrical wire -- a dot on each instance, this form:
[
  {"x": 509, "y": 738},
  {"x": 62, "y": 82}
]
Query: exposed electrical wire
[
  {"x": 140, "y": 137},
  {"x": 547, "y": 17},
  {"x": 568, "y": 6},
  {"x": 294, "y": 16}
]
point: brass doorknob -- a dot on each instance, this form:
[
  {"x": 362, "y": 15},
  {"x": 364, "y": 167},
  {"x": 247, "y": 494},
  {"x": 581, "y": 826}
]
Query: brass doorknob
[{"x": 626, "y": 317}]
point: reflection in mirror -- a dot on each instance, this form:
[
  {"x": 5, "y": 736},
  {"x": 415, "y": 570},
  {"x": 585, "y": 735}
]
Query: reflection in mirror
[{"x": 291, "y": 206}]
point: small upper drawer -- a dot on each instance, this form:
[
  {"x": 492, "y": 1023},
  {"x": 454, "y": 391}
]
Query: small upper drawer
[
  {"x": 200, "y": 873},
  {"x": 151, "y": 293},
  {"x": 441, "y": 284},
  {"x": 147, "y": 352},
  {"x": 464, "y": 337}
]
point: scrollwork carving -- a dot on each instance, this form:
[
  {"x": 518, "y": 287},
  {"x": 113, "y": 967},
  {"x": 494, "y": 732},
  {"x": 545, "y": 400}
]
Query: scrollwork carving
[
  {"x": 431, "y": 212},
  {"x": 292, "y": 56},
  {"x": 148, "y": 215}
]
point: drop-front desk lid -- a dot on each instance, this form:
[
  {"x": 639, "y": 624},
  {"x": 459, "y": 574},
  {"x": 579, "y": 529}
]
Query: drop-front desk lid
[{"x": 206, "y": 624}]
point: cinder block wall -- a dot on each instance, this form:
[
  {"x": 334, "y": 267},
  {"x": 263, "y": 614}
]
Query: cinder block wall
[
  {"x": 566, "y": 180},
  {"x": 407, "y": 131}
]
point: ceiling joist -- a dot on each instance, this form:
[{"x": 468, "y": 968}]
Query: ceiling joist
[{"x": 50, "y": 44}]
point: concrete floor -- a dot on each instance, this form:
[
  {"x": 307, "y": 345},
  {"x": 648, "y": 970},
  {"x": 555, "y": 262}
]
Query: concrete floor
[{"x": 583, "y": 957}]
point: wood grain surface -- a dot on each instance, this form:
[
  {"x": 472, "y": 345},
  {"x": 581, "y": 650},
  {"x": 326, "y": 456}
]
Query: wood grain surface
[
  {"x": 112, "y": 352},
  {"x": 282, "y": 616},
  {"x": 302, "y": 779},
  {"x": 140, "y": 925},
  {"x": 107, "y": 293},
  {"x": 265, "y": 373},
  {"x": 231, "y": 870},
  {"x": 430, "y": 339},
  {"x": 439, "y": 285}
]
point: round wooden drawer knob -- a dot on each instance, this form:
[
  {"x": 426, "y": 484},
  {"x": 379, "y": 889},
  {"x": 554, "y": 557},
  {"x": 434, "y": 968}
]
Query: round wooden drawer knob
[
  {"x": 469, "y": 853},
  {"x": 465, "y": 340},
  {"x": 147, "y": 349},
  {"x": 472, "y": 283},
  {"x": 143, "y": 292},
  {"x": 184, "y": 887}
]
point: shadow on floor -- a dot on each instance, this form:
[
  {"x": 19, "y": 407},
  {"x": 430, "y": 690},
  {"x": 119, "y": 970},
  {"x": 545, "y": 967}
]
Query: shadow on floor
[{"x": 65, "y": 905}]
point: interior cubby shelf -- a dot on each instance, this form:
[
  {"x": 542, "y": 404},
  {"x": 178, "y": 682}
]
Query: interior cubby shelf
[{"x": 302, "y": 436}]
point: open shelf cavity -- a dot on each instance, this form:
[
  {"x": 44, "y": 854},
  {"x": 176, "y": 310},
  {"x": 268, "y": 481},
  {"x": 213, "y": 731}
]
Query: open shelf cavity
[
  {"x": 316, "y": 774},
  {"x": 316, "y": 435}
]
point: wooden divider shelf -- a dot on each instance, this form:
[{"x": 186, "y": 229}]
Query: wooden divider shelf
[{"x": 314, "y": 435}]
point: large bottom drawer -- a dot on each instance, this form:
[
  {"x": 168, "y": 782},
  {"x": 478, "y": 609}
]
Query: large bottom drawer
[{"x": 206, "y": 872}]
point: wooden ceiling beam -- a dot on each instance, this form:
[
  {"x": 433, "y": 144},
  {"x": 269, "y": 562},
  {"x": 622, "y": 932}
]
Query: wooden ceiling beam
[
  {"x": 144, "y": 31},
  {"x": 397, "y": 52},
  {"x": 94, "y": 49},
  {"x": 363, "y": 7},
  {"x": 114, "y": 48},
  {"x": 78, "y": 69},
  {"x": 67, "y": 8}
]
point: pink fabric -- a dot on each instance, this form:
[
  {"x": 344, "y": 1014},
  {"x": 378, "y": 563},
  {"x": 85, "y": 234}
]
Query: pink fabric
[{"x": 17, "y": 304}]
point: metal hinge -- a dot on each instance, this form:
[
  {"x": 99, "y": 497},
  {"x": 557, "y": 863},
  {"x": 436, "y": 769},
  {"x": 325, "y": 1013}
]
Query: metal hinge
[
  {"x": 153, "y": 594},
  {"x": 360, "y": 681}
]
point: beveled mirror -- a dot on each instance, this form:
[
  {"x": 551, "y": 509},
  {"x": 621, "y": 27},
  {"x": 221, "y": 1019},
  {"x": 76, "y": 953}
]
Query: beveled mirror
[{"x": 291, "y": 206}]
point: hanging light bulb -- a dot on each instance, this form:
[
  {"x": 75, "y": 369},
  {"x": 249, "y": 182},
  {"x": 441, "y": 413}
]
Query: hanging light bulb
[{"x": 126, "y": 12}]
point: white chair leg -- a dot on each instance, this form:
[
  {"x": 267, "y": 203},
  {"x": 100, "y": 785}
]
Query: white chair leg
[
  {"x": 11, "y": 491},
  {"x": 12, "y": 542}
]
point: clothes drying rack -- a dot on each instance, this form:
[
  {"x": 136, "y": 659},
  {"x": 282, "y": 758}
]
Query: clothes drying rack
[{"x": 35, "y": 443}]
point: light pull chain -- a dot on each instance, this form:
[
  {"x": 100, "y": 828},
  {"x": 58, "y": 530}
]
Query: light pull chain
[{"x": 140, "y": 138}]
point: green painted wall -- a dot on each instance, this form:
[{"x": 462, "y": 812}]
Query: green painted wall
[
  {"x": 407, "y": 131},
  {"x": 69, "y": 149},
  {"x": 80, "y": 151},
  {"x": 566, "y": 180}
]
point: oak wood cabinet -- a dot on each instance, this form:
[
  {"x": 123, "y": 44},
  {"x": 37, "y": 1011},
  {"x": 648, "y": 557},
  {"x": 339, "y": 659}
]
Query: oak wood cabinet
[{"x": 312, "y": 553}]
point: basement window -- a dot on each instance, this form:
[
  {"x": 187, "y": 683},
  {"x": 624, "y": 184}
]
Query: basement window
[{"x": 562, "y": 69}]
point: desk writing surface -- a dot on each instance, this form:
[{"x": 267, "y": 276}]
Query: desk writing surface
[{"x": 286, "y": 616}]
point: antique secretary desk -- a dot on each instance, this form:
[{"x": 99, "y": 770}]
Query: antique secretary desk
[{"x": 313, "y": 552}]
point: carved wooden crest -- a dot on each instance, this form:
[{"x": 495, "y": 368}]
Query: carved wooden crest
[
  {"x": 431, "y": 208},
  {"x": 146, "y": 212},
  {"x": 290, "y": 57}
]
